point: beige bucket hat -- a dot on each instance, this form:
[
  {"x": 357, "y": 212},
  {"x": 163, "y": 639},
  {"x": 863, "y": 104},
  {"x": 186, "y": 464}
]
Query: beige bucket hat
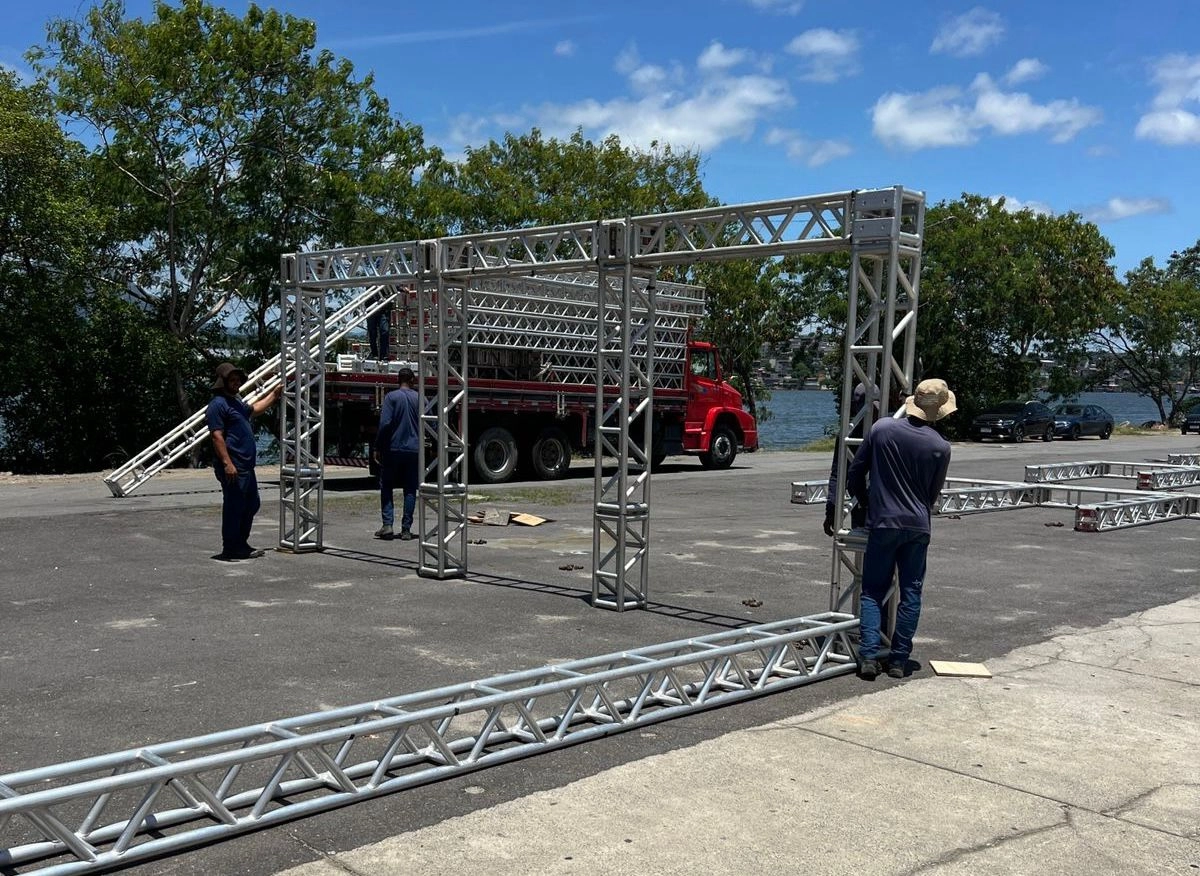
[{"x": 932, "y": 401}]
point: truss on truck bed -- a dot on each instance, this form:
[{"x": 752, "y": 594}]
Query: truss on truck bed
[
  {"x": 128, "y": 477},
  {"x": 116, "y": 809},
  {"x": 881, "y": 230}
]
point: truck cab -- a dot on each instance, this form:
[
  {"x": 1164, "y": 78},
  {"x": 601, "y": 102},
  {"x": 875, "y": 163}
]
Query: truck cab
[{"x": 715, "y": 425}]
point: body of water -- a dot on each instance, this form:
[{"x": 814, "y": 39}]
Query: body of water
[{"x": 799, "y": 416}]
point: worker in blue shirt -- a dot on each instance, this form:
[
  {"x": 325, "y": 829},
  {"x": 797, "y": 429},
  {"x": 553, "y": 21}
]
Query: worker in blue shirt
[
  {"x": 396, "y": 452},
  {"x": 906, "y": 461},
  {"x": 236, "y": 453}
]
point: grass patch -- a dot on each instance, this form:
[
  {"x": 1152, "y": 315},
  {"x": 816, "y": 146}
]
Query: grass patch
[
  {"x": 1130, "y": 429},
  {"x": 821, "y": 445},
  {"x": 554, "y": 496}
]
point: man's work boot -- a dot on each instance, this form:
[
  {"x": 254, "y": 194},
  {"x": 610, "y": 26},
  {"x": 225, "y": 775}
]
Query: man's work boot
[
  {"x": 868, "y": 669},
  {"x": 896, "y": 670},
  {"x": 384, "y": 532},
  {"x": 405, "y": 535}
]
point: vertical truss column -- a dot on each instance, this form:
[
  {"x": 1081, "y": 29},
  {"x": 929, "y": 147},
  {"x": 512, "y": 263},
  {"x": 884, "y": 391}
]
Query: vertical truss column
[
  {"x": 442, "y": 361},
  {"x": 624, "y": 430},
  {"x": 886, "y": 229},
  {"x": 302, "y": 428}
]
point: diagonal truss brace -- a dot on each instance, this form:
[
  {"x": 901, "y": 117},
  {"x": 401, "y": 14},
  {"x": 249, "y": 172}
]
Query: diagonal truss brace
[
  {"x": 128, "y": 477},
  {"x": 116, "y": 809}
]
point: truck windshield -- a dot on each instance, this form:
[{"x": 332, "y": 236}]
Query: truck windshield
[{"x": 704, "y": 364}]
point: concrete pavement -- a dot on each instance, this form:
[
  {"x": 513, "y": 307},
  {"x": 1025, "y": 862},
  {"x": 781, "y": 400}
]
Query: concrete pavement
[
  {"x": 116, "y": 630},
  {"x": 1078, "y": 756}
]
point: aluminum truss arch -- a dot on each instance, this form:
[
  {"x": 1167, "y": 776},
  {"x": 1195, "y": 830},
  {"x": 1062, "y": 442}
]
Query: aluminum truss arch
[{"x": 882, "y": 230}]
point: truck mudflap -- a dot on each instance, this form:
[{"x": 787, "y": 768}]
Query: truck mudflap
[{"x": 349, "y": 461}]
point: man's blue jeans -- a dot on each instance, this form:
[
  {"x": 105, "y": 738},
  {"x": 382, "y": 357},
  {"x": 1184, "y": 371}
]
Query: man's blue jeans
[
  {"x": 398, "y": 468},
  {"x": 892, "y": 550},
  {"x": 240, "y": 503}
]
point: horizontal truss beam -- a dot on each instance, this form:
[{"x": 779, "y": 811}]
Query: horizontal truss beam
[{"x": 116, "y": 809}]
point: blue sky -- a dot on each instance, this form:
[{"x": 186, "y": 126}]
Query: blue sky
[{"x": 1091, "y": 107}]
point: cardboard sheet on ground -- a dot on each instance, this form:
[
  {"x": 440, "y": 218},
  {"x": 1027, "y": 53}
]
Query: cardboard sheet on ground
[
  {"x": 959, "y": 670},
  {"x": 494, "y": 517}
]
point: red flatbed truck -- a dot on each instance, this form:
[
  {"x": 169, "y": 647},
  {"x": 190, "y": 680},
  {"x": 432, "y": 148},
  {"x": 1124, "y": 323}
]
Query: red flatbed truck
[{"x": 536, "y": 427}]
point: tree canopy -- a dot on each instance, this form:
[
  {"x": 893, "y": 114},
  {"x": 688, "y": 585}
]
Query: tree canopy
[
  {"x": 998, "y": 291},
  {"x": 85, "y": 371},
  {"x": 527, "y": 179},
  {"x": 1153, "y": 333},
  {"x": 225, "y": 141}
]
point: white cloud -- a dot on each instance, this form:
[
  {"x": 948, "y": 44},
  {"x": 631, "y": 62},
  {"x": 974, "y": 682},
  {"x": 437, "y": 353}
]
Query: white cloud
[
  {"x": 813, "y": 153},
  {"x": 1170, "y": 123},
  {"x": 699, "y": 106},
  {"x": 717, "y": 57},
  {"x": 1015, "y": 205},
  {"x": 969, "y": 34},
  {"x": 564, "y": 48},
  {"x": 718, "y": 110},
  {"x": 1024, "y": 70},
  {"x": 1170, "y": 127},
  {"x": 1016, "y": 113},
  {"x": 410, "y": 37},
  {"x": 643, "y": 77},
  {"x": 784, "y": 7},
  {"x": 918, "y": 121},
  {"x": 947, "y": 117},
  {"x": 1115, "y": 209},
  {"x": 829, "y": 54}
]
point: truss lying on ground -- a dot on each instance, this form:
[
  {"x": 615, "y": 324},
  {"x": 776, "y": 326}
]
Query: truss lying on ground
[
  {"x": 117, "y": 809},
  {"x": 1096, "y": 509}
]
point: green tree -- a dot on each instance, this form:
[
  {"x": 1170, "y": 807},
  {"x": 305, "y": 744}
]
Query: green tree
[
  {"x": 999, "y": 290},
  {"x": 747, "y": 307},
  {"x": 85, "y": 370},
  {"x": 526, "y": 180},
  {"x": 225, "y": 142},
  {"x": 1153, "y": 336}
]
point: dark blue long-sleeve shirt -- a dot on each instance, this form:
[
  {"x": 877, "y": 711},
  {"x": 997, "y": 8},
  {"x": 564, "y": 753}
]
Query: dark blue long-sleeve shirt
[
  {"x": 907, "y": 462},
  {"x": 400, "y": 421}
]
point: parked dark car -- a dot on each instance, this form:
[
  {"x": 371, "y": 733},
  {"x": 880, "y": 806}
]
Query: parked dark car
[
  {"x": 1191, "y": 422},
  {"x": 1073, "y": 420},
  {"x": 1014, "y": 421}
]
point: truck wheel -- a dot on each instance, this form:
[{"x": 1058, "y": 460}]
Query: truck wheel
[
  {"x": 722, "y": 448},
  {"x": 495, "y": 455},
  {"x": 551, "y": 455}
]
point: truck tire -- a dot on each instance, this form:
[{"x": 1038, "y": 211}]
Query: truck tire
[
  {"x": 551, "y": 455},
  {"x": 722, "y": 448},
  {"x": 495, "y": 455}
]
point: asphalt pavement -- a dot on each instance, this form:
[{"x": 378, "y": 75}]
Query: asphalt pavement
[{"x": 1077, "y": 756}]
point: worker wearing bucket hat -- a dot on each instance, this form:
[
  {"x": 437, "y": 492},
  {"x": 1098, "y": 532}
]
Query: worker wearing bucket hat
[{"x": 897, "y": 474}]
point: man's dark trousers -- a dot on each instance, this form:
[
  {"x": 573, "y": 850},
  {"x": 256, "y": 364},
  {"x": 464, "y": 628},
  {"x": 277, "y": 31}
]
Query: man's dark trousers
[
  {"x": 240, "y": 504},
  {"x": 398, "y": 468}
]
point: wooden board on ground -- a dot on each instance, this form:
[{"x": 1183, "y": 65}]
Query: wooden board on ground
[
  {"x": 490, "y": 517},
  {"x": 959, "y": 670},
  {"x": 529, "y": 519}
]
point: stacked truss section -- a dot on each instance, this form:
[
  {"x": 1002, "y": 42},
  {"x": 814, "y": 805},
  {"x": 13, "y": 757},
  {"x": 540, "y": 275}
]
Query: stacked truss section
[
  {"x": 302, "y": 431},
  {"x": 114, "y": 810},
  {"x": 886, "y": 228},
  {"x": 625, "y": 349},
  {"x": 442, "y": 311}
]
